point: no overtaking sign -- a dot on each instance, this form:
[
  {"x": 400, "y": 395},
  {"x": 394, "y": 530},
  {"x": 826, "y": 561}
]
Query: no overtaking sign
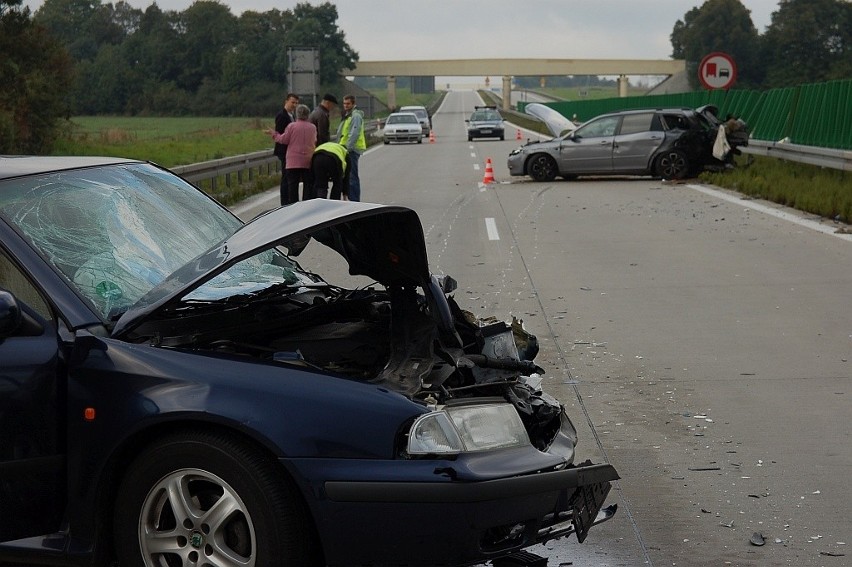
[{"x": 717, "y": 71}]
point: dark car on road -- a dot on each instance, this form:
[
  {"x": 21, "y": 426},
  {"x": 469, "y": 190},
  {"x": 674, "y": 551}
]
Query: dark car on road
[
  {"x": 485, "y": 122},
  {"x": 177, "y": 390},
  {"x": 672, "y": 143}
]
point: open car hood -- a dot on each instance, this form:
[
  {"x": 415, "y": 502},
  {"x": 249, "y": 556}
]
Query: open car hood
[
  {"x": 555, "y": 122},
  {"x": 382, "y": 242}
]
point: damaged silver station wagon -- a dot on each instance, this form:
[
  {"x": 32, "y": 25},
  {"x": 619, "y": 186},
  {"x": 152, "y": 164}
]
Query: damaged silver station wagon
[{"x": 177, "y": 390}]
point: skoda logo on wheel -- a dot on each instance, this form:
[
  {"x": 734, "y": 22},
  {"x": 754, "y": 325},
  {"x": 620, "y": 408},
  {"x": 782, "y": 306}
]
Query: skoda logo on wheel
[{"x": 196, "y": 540}]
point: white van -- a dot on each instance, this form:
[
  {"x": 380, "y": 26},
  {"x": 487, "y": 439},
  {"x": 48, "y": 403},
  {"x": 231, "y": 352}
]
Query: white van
[{"x": 422, "y": 117}]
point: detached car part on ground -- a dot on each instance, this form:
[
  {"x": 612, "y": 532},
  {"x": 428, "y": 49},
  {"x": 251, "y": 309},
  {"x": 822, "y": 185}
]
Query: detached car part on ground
[
  {"x": 669, "y": 143},
  {"x": 176, "y": 390}
]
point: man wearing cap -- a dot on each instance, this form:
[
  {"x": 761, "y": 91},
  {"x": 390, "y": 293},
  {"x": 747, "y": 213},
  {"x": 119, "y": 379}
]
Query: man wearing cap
[{"x": 320, "y": 117}]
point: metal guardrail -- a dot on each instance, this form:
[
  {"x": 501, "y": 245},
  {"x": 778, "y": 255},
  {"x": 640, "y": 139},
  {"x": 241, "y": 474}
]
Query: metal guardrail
[
  {"x": 822, "y": 157},
  {"x": 244, "y": 166}
]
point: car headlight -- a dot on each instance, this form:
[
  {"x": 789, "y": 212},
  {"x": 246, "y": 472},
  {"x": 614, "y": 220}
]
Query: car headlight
[
  {"x": 463, "y": 429},
  {"x": 516, "y": 151}
]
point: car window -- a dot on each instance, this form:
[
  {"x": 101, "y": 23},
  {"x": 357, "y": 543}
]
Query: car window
[
  {"x": 401, "y": 119},
  {"x": 115, "y": 232},
  {"x": 675, "y": 122},
  {"x": 597, "y": 128},
  {"x": 635, "y": 123},
  {"x": 14, "y": 281}
]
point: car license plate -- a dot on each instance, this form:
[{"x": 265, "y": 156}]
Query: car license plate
[
  {"x": 588, "y": 501},
  {"x": 486, "y": 131}
]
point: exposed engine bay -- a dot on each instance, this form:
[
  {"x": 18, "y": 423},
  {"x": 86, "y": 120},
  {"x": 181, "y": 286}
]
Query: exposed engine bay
[{"x": 418, "y": 343}]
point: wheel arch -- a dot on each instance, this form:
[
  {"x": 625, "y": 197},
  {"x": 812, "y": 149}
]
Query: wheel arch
[{"x": 135, "y": 444}]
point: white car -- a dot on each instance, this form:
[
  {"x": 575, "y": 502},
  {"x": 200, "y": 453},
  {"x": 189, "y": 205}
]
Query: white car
[
  {"x": 402, "y": 127},
  {"x": 422, "y": 115}
]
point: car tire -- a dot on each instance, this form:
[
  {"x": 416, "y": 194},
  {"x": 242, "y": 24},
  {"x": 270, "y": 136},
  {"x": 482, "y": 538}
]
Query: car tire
[
  {"x": 420, "y": 141},
  {"x": 672, "y": 164},
  {"x": 162, "y": 510},
  {"x": 502, "y": 137},
  {"x": 542, "y": 167},
  {"x": 386, "y": 141},
  {"x": 470, "y": 138}
]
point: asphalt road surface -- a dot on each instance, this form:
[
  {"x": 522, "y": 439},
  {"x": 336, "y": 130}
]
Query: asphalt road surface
[{"x": 701, "y": 342}]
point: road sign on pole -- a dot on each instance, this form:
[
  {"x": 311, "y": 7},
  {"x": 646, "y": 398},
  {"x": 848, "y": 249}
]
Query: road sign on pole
[{"x": 717, "y": 71}]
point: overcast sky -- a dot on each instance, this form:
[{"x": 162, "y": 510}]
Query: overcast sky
[{"x": 456, "y": 29}]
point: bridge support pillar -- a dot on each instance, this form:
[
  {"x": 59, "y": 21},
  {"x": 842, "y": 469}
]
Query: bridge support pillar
[
  {"x": 507, "y": 92},
  {"x": 622, "y": 85},
  {"x": 392, "y": 93}
]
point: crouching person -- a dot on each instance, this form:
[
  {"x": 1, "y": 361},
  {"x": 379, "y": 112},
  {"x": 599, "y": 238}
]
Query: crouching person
[{"x": 330, "y": 162}]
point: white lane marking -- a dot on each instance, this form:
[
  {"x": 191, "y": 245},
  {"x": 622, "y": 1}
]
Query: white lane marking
[
  {"x": 737, "y": 200},
  {"x": 476, "y": 167},
  {"x": 491, "y": 227},
  {"x": 482, "y": 186},
  {"x": 472, "y": 154}
]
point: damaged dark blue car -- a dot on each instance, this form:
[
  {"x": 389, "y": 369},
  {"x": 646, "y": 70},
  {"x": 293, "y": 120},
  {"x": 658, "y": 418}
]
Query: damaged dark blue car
[{"x": 176, "y": 390}]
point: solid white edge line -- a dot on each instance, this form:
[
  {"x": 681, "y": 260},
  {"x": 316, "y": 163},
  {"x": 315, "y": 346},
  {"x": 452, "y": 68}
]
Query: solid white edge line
[
  {"x": 783, "y": 215},
  {"x": 491, "y": 227}
]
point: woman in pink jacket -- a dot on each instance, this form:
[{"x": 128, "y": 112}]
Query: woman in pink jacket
[{"x": 301, "y": 139}]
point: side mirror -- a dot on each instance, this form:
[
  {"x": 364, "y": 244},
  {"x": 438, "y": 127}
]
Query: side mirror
[{"x": 10, "y": 314}]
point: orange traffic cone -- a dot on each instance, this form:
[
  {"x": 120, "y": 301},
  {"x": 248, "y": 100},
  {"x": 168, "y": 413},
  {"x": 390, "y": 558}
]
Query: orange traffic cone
[
  {"x": 489, "y": 172},
  {"x": 431, "y": 136},
  {"x": 518, "y": 135}
]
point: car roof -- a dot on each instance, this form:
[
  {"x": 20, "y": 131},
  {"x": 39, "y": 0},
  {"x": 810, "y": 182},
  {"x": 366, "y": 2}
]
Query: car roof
[
  {"x": 413, "y": 107},
  {"x": 20, "y": 166},
  {"x": 402, "y": 114}
]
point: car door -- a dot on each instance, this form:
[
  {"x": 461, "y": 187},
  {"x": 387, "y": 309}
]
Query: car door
[
  {"x": 589, "y": 148},
  {"x": 32, "y": 460},
  {"x": 638, "y": 138}
]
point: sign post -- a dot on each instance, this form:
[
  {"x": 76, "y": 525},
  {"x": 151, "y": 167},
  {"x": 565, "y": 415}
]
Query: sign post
[{"x": 717, "y": 71}]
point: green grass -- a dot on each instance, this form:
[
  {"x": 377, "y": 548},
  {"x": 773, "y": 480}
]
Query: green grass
[
  {"x": 166, "y": 141},
  {"x": 821, "y": 191}
]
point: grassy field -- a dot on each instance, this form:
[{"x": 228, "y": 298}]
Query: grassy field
[
  {"x": 179, "y": 141},
  {"x": 166, "y": 141}
]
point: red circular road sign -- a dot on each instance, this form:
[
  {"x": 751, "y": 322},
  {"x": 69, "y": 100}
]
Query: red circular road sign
[{"x": 717, "y": 71}]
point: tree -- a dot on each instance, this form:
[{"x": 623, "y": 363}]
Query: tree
[
  {"x": 809, "y": 41},
  {"x": 207, "y": 31},
  {"x": 36, "y": 73},
  {"x": 316, "y": 26},
  {"x": 83, "y": 26},
  {"x": 719, "y": 25}
]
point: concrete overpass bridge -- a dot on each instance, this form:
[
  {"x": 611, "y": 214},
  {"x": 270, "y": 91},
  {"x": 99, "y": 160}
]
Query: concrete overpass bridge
[{"x": 508, "y": 68}]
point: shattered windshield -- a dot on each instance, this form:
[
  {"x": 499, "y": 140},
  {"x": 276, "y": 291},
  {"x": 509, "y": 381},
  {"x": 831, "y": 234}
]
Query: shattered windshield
[{"x": 115, "y": 232}]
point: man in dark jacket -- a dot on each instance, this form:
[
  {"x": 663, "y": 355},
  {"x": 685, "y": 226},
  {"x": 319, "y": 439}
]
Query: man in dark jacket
[
  {"x": 283, "y": 118},
  {"x": 320, "y": 117}
]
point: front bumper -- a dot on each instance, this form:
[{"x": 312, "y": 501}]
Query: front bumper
[
  {"x": 395, "y": 513},
  {"x": 486, "y": 132},
  {"x": 515, "y": 164},
  {"x": 403, "y": 136}
]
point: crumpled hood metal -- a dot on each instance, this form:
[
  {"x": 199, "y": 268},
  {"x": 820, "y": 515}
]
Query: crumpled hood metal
[
  {"x": 555, "y": 122},
  {"x": 382, "y": 242}
]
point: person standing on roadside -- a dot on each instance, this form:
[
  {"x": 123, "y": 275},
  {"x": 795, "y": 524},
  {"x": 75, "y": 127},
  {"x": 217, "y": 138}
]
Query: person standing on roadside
[
  {"x": 300, "y": 137},
  {"x": 320, "y": 118},
  {"x": 282, "y": 119},
  {"x": 350, "y": 134},
  {"x": 330, "y": 163}
]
